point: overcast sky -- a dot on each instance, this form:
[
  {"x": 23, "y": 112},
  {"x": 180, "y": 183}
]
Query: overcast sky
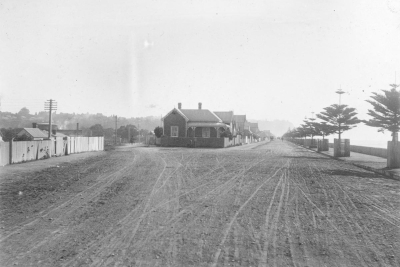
[{"x": 270, "y": 59}]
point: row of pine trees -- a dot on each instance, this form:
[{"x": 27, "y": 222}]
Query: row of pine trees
[{"x": 385, "y": 115}]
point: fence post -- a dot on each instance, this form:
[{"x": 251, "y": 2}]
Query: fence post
[
  {"x": 10, "y": 152},
  {"x": 393, "y": 155}
]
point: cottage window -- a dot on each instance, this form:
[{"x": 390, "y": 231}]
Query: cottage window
[
  {"x": 205, "y": 132},
  {"x": 174, "y": 131}
]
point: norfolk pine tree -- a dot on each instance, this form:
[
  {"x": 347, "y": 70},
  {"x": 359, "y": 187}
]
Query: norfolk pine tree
[
  {"x": 340, "y": 117},
  {"x": 386, "y": 113},
  {"x": 323, "y": 129},
  {"x": 310, "y": 126}
]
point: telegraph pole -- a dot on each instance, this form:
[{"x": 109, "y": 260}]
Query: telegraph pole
[{"x": 50, "y": 105}]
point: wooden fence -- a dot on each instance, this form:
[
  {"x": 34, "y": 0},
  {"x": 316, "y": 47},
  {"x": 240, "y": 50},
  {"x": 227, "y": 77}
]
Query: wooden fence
[
  {"x": 373, "y": 151},
  {"x": 22, "y": 151},
  {"x": 215, "y": 142},
  {"x": 4, "y": 153}
]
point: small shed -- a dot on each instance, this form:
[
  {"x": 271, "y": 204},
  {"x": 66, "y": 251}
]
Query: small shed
[{"x": 34, "y": 133}]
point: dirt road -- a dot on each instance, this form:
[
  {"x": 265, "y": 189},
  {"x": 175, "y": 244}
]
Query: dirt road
[{"x": 259, "y": 205}]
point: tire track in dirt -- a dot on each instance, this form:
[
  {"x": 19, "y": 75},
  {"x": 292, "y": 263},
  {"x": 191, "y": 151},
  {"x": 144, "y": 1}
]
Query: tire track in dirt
[
  {"x": 380, "y": 206},
  {"x": 46, "y": 235},
  {"x": 276, "y": 218},
  {"x": 132, "y": 217},
  {"x": 266, "y": 230},
  {"x": 342, "y": 234},
  {"x": 355, "y": 219},
  {"x": 306, "y": 189},
  {"x": 121, "y": 226},
  {"x": 221, "y": 189},
  {"x": 229, "y": 226},
  {"x": 210, "y": 208},
  {"x": 287, "y": 228},
  {"x": 192, "y": 211},
  {"x": 53, "y": 207},
  {"x": 75, "y": 202}
]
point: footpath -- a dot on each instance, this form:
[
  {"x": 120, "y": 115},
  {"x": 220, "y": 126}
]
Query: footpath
[{"x": 371, "y": 163}]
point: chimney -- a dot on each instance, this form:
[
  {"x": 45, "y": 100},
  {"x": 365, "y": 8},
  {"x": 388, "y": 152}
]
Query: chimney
[
  {"x": 179, "y": 105},
  {"x": 34, "y": 124},
  {"x": 199, "y": 105}
]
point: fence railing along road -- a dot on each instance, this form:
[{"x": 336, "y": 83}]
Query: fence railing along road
[{"x": 21, "y": 151}]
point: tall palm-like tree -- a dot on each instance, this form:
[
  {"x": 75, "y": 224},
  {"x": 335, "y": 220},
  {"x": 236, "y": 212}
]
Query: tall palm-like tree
[
  {"x": 386, "y": 112},
  {"x": 340, "y": 118}
]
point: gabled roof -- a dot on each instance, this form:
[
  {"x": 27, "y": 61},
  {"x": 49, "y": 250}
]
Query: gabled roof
[
  {"x": 239, "y": 118},
  {"x": 177, "y": 111},
  {"x": 200, "y": 115},
  {"x": 254, "y": 126},
  {"x": 225, "y": 116},
  {"x": 35, "y": 132}
]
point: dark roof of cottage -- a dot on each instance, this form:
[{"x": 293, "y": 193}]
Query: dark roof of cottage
[
  {"x": 240, "y": 118},
  {"x": 200, "y": 115},
  {"x": 225, "y": 116},
  {"x": 36, "y": 132}
]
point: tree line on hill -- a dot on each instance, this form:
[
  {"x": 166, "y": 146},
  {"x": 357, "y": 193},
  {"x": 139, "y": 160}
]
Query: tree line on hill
[
  {"x": 90, "y": 124},
  {"x": 385, "y": 115}
]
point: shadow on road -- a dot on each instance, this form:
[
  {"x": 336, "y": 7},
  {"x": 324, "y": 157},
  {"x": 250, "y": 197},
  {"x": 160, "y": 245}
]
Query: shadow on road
[
  {"x": 352, "y": 173},
  {"x": 305, "y": 157}
]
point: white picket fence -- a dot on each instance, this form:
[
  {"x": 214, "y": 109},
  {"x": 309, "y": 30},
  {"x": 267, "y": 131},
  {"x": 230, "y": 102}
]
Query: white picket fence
[{"x": 21, "y": 151}]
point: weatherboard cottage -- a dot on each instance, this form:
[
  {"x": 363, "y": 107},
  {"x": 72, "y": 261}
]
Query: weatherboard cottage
[{"x": 193, "y": 126}]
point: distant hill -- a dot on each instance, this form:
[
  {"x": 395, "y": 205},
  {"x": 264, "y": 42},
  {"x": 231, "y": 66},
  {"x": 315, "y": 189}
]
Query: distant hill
[
  {"x": 277, "y": 127},
  {"x": 68, "y": 121}
]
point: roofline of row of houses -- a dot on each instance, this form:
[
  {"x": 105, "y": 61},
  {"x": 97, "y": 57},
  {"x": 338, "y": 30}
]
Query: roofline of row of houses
[{"x": 249, "y": 125}]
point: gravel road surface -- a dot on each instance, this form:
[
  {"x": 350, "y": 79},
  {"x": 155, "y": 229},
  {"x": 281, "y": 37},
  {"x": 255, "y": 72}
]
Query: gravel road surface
[{"x": 265, "y": 204}]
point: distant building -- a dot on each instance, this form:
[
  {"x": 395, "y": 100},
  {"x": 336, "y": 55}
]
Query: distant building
[
  {"x": 240, "y": 121},
  {"x": 34, "y": 133},
  {"x": 44, "y": 126},
  {"x": 254, "y": 127},
  {"x": 227, "y": 117},
  {"x": 192, "y": 123}
]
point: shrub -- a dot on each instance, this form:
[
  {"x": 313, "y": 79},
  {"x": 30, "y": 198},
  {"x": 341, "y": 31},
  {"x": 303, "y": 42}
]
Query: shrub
[{"x": 158, "y": 131}]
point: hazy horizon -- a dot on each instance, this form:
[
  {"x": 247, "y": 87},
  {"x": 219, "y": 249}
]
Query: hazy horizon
[{"x": 267, "y": 59}]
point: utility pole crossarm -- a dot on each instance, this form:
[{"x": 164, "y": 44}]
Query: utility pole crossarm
[{"x": 50, "y": 105}]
